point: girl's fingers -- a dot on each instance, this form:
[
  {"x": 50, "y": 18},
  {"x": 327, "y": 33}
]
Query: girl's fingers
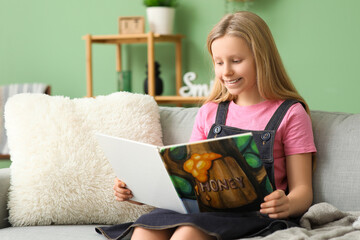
[
  {"x": 119, "y": 183},
  {"x": 275, "y": 195},
  {"x": 123, "y": 197},
  {"x": 120, "y": 191},
  {"x": 123, "y": 191},
  {"x": 275, "y": 209},
  {"x": 276, "y": 205}
]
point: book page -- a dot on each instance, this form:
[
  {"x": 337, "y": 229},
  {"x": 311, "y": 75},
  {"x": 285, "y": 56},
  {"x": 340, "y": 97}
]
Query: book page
[
  {"x": 140, "y": 166},
  {"x": 221, "y": 174}
]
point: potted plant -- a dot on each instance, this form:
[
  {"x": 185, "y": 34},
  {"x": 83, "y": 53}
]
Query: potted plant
[
  {"x": 160, "y": 15},
  {"x": 160, "y": 3}
]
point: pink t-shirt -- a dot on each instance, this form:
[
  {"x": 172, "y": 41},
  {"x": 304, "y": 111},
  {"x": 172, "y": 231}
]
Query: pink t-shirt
[{"x": 294, "y": 135}]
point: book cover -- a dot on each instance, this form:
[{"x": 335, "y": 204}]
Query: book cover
[{"x": 222, "y": 174}]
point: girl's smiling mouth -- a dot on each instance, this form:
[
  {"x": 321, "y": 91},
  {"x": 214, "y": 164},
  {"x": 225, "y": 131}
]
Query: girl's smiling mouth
[{"x": 229, "y": 82}]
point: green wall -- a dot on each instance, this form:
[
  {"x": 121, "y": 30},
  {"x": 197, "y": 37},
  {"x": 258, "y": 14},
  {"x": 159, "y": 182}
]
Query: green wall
[{"x": 41, "y": 41}]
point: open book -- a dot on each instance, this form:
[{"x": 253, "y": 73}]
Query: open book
[{"x": 219, "y": 174}]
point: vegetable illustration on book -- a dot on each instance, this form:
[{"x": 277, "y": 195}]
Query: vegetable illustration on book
[{"x": 222, "y": 175}]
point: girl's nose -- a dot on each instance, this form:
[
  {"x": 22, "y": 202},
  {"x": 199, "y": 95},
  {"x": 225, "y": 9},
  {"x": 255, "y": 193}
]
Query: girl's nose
[{"x": 228, "y": 71}]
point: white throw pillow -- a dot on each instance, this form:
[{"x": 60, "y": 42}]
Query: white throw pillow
[{"x": 59, "y": 174}]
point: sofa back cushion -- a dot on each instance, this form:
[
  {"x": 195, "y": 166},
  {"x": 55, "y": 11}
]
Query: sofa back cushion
[
  {"x": 336, "y": 179},
  {"x": 177, "y": 124}
]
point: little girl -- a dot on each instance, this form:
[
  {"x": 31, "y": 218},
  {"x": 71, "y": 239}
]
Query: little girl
[{"x": 252, "y": 92}]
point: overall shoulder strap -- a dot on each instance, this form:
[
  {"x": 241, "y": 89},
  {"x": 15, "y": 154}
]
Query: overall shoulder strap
[
  {"x": 222, "y": 112},
  {"x": 279, "y": 114}
]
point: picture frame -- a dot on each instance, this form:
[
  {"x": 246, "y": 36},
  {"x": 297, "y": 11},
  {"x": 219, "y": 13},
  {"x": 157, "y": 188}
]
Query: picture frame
[{"x": 131, "y": 25}]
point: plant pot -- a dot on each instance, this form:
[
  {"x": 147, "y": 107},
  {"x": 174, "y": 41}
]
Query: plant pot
[{"x": 160, "y": 19}]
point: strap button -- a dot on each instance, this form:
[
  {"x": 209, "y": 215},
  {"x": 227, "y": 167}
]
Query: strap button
[
  {"x": 265, "y": 136},
  {"x": 217, "y": 129}
]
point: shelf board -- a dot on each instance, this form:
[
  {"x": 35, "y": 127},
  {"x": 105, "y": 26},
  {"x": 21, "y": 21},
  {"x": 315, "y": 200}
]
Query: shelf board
[
  {"x": 4, "y": 156},
  {"x": 179, "y": 99},
  {"x": 132, "y": 38}
]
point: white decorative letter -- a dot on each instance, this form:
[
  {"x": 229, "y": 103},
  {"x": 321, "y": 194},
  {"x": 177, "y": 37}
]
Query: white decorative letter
[{"x": 194, "y": 90}]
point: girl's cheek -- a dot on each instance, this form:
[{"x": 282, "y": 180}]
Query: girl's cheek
[{"x": 218, "y": 73}]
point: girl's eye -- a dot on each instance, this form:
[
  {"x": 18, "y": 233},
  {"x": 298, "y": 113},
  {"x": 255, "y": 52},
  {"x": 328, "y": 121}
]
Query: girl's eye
[
  {"x": 237, "y": 61},
  {"x": 219, "y": 63}
]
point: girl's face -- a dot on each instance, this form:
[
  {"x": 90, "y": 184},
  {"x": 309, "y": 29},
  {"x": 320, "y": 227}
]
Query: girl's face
[{"x": 236, "y": 69}]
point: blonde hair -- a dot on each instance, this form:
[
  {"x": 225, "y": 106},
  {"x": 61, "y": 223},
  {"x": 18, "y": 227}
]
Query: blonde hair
[{"x": 272, "y": 80}]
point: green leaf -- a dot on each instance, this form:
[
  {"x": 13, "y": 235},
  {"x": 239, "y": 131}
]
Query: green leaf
[
  {"x": 160, "y": 3},
  {"x": 242, "y": 142},
  {"x": 183, "y": 187},
  {"x": 253, "y": 160}
]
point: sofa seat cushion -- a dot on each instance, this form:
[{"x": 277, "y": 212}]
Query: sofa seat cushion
[
  {"x": 4, "y": 188},
  {"x": 54, "y": 232}
]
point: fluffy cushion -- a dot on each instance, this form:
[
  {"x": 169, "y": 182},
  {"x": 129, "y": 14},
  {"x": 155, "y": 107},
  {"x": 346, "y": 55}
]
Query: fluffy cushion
[{"x": 59, "y": 173}]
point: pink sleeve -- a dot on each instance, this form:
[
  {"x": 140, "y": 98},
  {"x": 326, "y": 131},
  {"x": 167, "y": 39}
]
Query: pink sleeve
[
  {"x": 298, "y": 136},
  {"x": 198, "y": 132}
]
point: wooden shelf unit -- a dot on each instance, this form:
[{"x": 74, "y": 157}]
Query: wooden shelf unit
[{"x": 150, "y": 39}]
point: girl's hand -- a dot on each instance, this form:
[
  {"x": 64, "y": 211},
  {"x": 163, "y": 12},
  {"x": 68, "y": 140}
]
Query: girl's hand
[
  {"x": 276, "y": 205},
  {"x": 122, "y": 193}
]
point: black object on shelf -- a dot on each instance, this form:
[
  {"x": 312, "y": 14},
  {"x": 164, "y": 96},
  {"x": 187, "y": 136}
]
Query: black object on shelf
[{"x": 158, "y": 80}]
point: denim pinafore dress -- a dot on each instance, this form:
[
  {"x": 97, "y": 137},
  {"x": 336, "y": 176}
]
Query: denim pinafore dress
[{"x": 222, "y": 225}]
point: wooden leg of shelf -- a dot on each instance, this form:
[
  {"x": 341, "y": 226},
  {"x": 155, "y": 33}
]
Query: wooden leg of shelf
[
  {"x": 178, "y": 64},
  {"x": 178, "y": 59},
  {"x": 118, "y": 57},
  {"x": 151, "y": 64},
  {"x": 89, "y": 87}
]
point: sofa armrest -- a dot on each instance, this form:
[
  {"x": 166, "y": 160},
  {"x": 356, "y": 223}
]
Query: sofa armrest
[{"x": 4, "y": 188}]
